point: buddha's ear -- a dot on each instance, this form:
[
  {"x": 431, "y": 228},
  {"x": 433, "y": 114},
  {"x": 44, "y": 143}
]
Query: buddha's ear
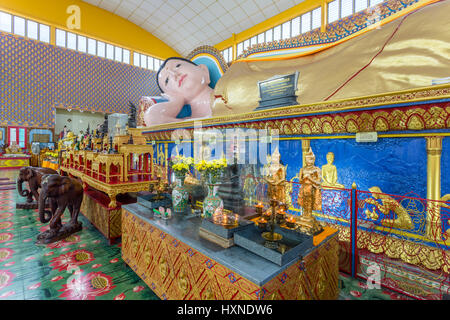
[{"x": 205, "y": 71}]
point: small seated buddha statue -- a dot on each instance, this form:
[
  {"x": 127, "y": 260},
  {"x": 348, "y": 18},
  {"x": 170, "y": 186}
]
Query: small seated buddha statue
[
  {"x": 329, "y": 174},
  {"x": 13, "y": 149}
]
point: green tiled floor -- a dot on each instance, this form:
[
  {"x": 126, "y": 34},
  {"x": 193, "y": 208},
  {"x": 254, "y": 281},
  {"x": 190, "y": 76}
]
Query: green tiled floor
[{"x": 83, "y": 266}]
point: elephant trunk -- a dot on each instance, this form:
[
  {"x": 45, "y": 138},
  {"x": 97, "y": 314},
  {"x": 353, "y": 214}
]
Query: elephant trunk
[
  {"x": 44, "y": 215},
  {"x": 23, "y": 193}
]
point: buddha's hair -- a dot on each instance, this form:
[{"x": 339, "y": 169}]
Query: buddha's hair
[{"x": 164, "y": 64}]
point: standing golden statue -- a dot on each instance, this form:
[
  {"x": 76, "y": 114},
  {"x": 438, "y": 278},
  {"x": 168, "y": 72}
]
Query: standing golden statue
[
  {"x": 329, "y": 173},
  {"x": 310, "y": 194},
  {"x": 275, "y": 176}
]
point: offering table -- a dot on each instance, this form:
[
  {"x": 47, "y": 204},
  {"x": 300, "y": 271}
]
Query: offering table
[{"x": 176, "y": 263}]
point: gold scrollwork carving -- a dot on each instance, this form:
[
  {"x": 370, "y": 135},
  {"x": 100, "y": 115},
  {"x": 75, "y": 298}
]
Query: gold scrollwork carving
[
  {"x": 208, "y": 294},
  {"x": 381, "y": 124},
  {"x": 415, "y": 123},
  {"x": 351, "y": 126},
  {"x": 163, "y": 268},
  {"x": 183, "y": 282}
]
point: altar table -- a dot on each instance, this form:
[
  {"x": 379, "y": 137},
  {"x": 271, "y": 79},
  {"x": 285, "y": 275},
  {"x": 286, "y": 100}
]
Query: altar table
[
  {"x": 177, "y": 264},
  {"x": 14, "y": 162}
]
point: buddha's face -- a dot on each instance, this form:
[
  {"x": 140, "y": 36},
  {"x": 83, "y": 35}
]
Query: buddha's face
[
  {"x": 180, "y": 78},
  {"x": 330, "y": 158},
  {"x": 310, "y": 160}
]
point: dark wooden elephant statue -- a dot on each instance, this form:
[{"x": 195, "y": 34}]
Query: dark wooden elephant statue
[
  {"x": 62, "y": 192},
  {"x": 33, "y": 176}
]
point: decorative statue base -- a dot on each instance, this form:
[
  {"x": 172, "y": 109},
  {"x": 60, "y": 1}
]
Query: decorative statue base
[
  {"x": 309, "y": 225},
  {"x": 51, "y": 236},
  {"x": 27, "y": 205}
]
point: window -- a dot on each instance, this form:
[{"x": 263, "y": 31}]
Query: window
[
  {"x": 286, "y": 30},
  {"x": 253, "y": 41},
  {"x": 109, "y": 51},
  {"x": 126, "y": 56},
  {"x": 346, "y": 8},
  {"x": 360, "y": 5},
  {"x": 277, "y": 33},
  {"x": 295, "y": 26},
  {"x": 118, "y": 54},
  {"x": 150, "y": 63},
  {"x": 157, "y": 64},
  {"x": 246, "y": 44},
  {"x": 60, "y": 38},
  {"x": 19, "y": 26},
  {"x": 306, "y": 22},
  {"x": 71, "y": 41},
  {"x": 5, "y": 22},
  {"x": 32, "y": 30},
  {"x": 339, "y": 9},
  {"x": 240, "y": 48},
  {"x": 44, "y": 33},
  {"x": 228, "y": 54},
  {"x": 136, "y": 59},
  {"x": 143, "y": 61},
  {"x": 269, "y": 35},
  {"x": 18, "y": 135},
  {"x": 81, "y": 44},
  {"x": 375, "y": 2},
  {"x": 101, "y": 52},
  {"x": 333, "y": 11},
  {"x": 261, "y": 38},
  {"x": 316, "y": 18},
  {"x": 92, "y": 46}
]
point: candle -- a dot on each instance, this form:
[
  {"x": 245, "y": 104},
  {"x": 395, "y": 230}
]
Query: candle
[
  {"x": 262, "y": 223},
  {"x": 290, "y": 222}
]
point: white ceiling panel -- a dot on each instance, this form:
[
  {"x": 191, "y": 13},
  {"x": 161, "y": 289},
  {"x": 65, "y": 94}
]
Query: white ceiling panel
[{"x": 187, "y": 24}]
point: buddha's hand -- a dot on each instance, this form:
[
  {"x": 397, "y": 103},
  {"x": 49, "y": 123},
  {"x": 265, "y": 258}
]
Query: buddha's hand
[{"x": 164, "y": 112}]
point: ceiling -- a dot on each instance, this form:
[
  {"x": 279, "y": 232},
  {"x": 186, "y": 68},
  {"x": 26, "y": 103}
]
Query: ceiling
[{"x": 187, "y": 24}]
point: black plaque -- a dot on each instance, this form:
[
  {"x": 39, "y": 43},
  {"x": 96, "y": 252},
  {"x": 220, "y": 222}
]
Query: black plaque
[{"x": 278, "y": 91}]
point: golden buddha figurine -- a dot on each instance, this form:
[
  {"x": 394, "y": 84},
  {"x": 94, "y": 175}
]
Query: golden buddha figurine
[
  {"x": 388, "y": 204},
  {"x": 13, "y": 148},
  {"x": 275, "y": 176},
  {"x": 329, "y": 173},
  {"x": 310, "y": 195}
]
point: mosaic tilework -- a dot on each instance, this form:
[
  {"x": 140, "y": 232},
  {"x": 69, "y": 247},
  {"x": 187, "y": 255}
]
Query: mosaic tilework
[{"x": 36, "y": 76}]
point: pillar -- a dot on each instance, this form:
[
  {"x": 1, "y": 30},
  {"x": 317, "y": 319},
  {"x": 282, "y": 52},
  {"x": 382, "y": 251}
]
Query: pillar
[{"x": 433, "y": 223}]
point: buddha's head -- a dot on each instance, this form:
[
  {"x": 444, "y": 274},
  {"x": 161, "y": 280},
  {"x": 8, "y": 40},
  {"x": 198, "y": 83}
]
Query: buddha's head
[
  {"x": 330, "y": 157},
  {"x": 310, "y": 158},
  {"x": 180, "y": 77},
  {"x": 276, "y": 156}
]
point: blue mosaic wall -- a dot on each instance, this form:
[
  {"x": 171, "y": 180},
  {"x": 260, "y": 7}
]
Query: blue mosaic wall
[{"x": 36, "y": 76}]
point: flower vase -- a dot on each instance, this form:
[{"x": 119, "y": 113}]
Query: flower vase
[
  {"x": 212, "y": 201},
  {"x": 180, "y": 196}
]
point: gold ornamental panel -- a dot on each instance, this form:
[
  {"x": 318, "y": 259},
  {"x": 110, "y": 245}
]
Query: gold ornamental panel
[{"x": 136, "y": 149}]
